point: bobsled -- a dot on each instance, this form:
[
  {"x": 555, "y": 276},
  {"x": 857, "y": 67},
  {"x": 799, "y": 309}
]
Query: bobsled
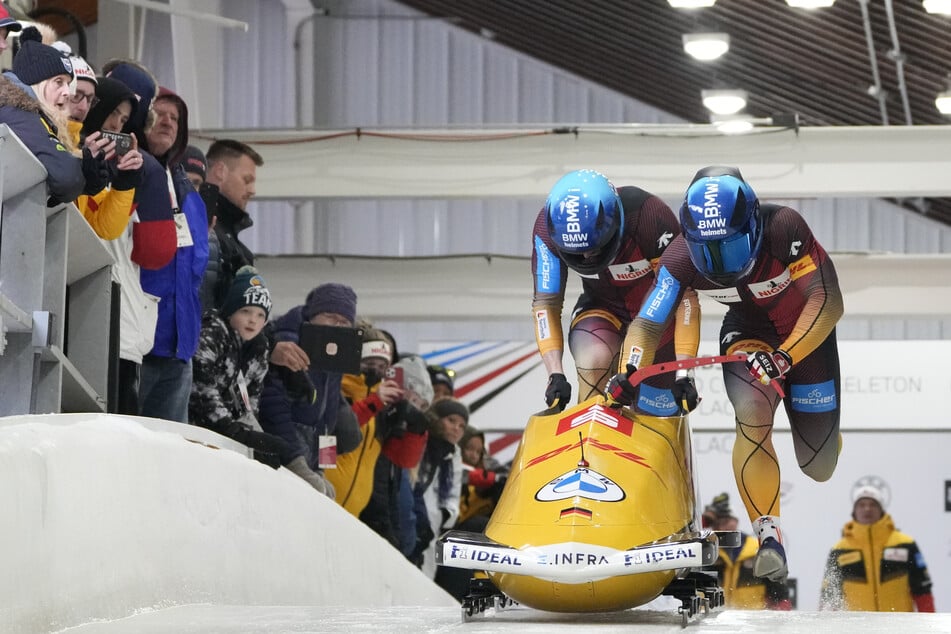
[{"x": 599, "y": 513}]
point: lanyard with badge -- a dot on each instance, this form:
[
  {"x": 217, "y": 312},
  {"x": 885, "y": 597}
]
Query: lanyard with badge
[{"x": 182, "y": 233}]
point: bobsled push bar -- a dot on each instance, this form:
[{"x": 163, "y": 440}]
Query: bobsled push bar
[
  {"x": 686, "y": 364},
  {"x": 571, "y": 562}
]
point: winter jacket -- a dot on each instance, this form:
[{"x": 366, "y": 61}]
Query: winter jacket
[
  {"x": 221, "y": 362},
  {"x": 436, "y": 493},
  {"x": 875, "y": 568},
  {"x": 232, "y": 253},
  {"x": 353, "y": 479},
  {"x": 301, "y": 406},
  {"x": 23, "y": 114},
  {"x": 743, "y": 590}
]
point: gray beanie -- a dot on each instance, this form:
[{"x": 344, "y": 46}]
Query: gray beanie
[
  {"x": 416, "y": 377},
  {"x": 447, "y": 406}
]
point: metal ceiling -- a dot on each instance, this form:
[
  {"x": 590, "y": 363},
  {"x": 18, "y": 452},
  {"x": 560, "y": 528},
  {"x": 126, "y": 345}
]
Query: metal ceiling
[{"x": 813, "y": 63}]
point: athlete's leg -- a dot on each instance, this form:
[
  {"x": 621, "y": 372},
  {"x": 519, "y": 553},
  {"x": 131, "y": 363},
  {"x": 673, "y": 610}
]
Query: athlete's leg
[
  {"x": 594, "y": 339},
  {"x": 812, "y": 404}
]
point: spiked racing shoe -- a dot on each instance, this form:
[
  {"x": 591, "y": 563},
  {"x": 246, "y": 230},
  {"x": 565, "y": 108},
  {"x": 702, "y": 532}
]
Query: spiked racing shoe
[{"x": 770, "y": 561}]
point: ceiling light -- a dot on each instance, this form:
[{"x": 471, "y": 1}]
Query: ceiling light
[
  {"x": 810, "y": 4},
  {"x": 690, "y": 4},
  {"x": 937, "y": 6},
  {"x": 724, "y": 101},
  {"x": 706, "y": 46},
  {"x": 943, "y": 102},
  {"x": 733, "y": 123}
]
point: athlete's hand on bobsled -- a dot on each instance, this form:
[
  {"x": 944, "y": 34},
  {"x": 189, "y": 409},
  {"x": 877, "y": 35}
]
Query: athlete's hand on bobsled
[
  {"x": 685, "y": 394},
  {"x": 558, "y": 389},
  {"x": 768, "y": 366},
  {"x": 620, "y": 389}
]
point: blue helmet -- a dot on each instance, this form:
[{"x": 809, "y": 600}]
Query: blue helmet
[
  {"x": 721, "y": 224},
  {"x": 585, "y": 220}
]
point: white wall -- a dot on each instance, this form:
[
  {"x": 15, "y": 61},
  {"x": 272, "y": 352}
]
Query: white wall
[{"x": 104, "y": 517}]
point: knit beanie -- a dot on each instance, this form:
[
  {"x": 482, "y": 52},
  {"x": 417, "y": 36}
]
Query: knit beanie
[
  {"x": 720, "y": 507},
  {"x": 110, "y": 92},
  {"x": 446, "y": 406},
  {"x": 36, "y": 62},
  {"x": 194, "y": 161},
  {"x": 416, "y": 377},
  {"x": 377, "y": 348},
  {"x": 438, "y": 374},
  {"x": 868, "y": 491},
  {"x": 82, "y": 69},
  {"x": 248, "y": 289},
  {"x": 331, "y": 298}
]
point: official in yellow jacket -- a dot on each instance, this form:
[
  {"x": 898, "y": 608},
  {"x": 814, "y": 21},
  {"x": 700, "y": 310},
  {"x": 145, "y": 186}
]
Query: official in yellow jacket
[{"x": 875, "y": 568}]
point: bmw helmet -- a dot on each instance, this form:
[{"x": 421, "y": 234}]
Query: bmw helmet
[
  {"x": 585, "y": 221},
  {"x": 721, "y": 224}
]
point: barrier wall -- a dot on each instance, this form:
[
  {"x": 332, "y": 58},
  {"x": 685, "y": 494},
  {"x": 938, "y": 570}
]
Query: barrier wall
[{"x": 105, "y": 516}]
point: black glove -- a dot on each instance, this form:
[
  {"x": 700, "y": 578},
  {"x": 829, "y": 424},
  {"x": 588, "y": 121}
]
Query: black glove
[
  {"x": 416, "y": 420},
  {"x": 620, "y": 389},
  {"x": 95, "y": 171},
  {"x": 685, "y": 394},
  {"x": 266, "y": 448},
  {"x": 768, "y": 366},
  {"x": 559, "y": 389}
]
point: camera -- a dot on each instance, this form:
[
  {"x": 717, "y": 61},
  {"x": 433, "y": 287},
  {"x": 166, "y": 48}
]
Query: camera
[
  {"x": 395, "y": 373},
  {"x": 123, "y": 141}
]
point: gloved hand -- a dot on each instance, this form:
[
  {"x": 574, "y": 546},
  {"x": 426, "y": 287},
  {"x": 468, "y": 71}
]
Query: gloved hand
[
  {"x": 265, "y": 448},
  {"x": 558, "y": 389},
  {"x": 768, "y": 366},
  {"x": 685, "y": 394},
  {"x": 299, "y": 467},
  {"x": 619, "y": 388}
]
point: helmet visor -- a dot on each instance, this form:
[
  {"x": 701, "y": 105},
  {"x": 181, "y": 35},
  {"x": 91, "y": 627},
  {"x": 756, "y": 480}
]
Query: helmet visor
[{"x": 729, "y": 257}]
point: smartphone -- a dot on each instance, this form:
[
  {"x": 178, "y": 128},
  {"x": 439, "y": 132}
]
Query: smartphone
[
  {"x": 123, "y": 141},
  {"x": 395, "y": 373}
]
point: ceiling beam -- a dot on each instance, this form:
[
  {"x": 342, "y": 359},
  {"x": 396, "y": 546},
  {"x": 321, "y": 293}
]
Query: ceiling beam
[{"x": 521, "y": 162}]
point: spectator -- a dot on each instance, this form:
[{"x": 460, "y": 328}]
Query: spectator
[
  {"x": 874, "y": 567},
  {"x": 229, "y": 369},
  {"x": 167, "y": 369},
  {"x": 301, "y": 406},
  {"x": 734, "y": 566},
  {"x": 443, "y": 381},
  {"x": 438, "y": 479},
  {"x": 196, "y": 168},
  {"x": 33, "y": 104},
  {"x": 232, "y": 166},
  {"x": 195, "y": 165},
  {"x": 8, "y": 25},
  {"x": 109, "y": 214}
]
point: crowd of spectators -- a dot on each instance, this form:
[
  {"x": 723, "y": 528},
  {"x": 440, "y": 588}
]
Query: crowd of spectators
[{"x": 198, "y": 342}]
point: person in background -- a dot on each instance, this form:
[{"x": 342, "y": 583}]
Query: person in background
[
  {"x": 8, "y": 25},
  {"x": 229, "y": 368},
  {"x": 301, "y": 406},
  {"x": 402, "y": 429},
  {"x": 232, "y": 167},
  {"x": 443, "y": 380},
  {"x": 167, "y": 369},
  {"x": 742, "y": 589},
  {"x": 783, "y": 302},
  {"x": 195, "y": 166},
  {"x": 33, "y": 100},
  {"x": 613, "y": 239},
  {"x": 875, "y": 567},
  {"x": 438, "y": 479},
  {"x": 371, "y": 395}
]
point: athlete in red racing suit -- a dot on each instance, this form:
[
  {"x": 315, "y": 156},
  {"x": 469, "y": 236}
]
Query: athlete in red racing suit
[
  {"x": 783, "y": 301},
  {"x": 627, "y": 230}
]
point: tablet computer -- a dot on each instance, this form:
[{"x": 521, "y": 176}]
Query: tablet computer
[{"x": 332, "y": 348}]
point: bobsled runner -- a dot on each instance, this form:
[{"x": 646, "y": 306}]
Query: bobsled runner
[{"x": 599, "y": 513}]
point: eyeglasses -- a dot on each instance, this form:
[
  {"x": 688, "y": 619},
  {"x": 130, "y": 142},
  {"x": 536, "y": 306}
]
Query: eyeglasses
[{"x": 79, "y": 97}]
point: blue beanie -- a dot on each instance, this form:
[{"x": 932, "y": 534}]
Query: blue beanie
[
  {"x": 141, "y": 83},
  {"x": 331, "y": 298}
]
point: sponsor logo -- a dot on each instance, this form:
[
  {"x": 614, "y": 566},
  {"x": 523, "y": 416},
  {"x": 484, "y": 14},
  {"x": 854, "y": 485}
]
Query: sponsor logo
[
  {"x": 541, "y": 320},
  {"x": 813, "y": 397},
  {"x": 583, "y": 483},
  {"x": 895, "y": 554},
  {"x": 794, "y": 247},
  {"x": 548, "y": 273},
  {"x": 658, "y": 303},
  {"x": 474, "y": 553},
  {"x": 801, "y": 266},
  {"x": 571, "y": 558},
  {"x": 656, "y": 401},
  {"x": 634, "y": 358},
  {"x": 771, "y": 287},
  {"x": 600, "y": 415},
  {"x": 573, "y": 235},
  {"x": 664, "y": 240},
  {"x": 722, "y": 295},
  {"x": 688, "y": 551},
  {"x": 629, "y": 270},
  {"x": 730, "y": 336}
]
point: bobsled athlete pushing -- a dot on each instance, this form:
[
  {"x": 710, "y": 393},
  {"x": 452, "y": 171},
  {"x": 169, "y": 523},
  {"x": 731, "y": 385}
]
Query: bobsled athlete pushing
[{"x": 599, "y": 513}]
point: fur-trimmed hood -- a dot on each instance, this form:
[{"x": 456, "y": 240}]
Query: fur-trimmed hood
[{"x": 15, "y": 93}]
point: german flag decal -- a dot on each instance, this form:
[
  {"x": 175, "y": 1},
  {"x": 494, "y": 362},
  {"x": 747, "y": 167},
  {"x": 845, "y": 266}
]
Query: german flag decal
[{"x": 575, "y": 511}]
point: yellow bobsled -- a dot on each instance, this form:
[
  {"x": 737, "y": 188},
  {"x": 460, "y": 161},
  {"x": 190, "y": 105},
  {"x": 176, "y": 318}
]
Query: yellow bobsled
[{"x": 599, "y": 513}]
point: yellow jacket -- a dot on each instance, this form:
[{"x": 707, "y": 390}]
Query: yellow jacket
[
  {"x": 107, "y": 212},
  {"x": 353, "y": 477},
  {"x": 875, "y": 568},
  {"x": 744, "y": 591}
]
